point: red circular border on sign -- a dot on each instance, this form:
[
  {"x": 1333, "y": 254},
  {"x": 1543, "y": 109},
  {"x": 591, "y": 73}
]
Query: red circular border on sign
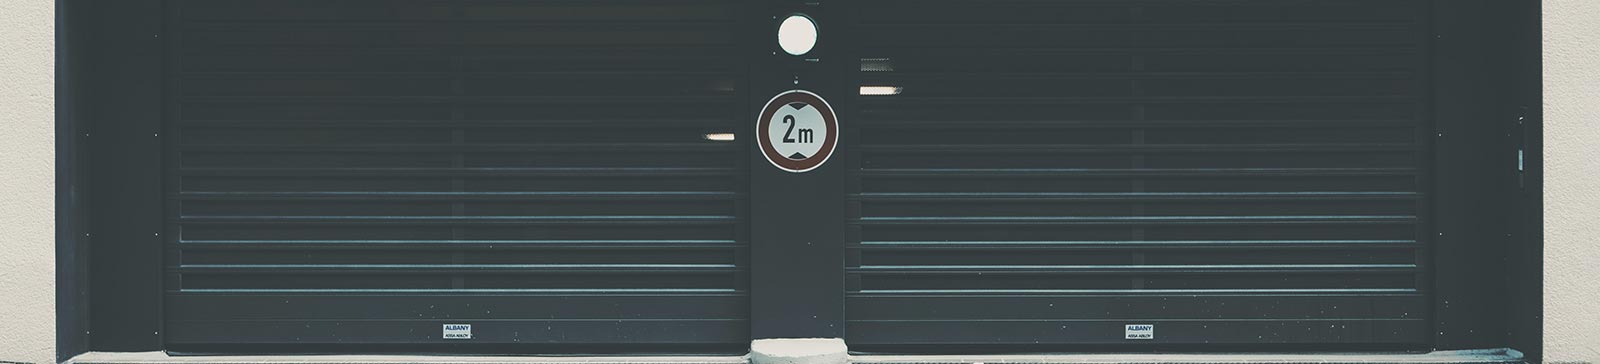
[{"x": 764, "y": 140}]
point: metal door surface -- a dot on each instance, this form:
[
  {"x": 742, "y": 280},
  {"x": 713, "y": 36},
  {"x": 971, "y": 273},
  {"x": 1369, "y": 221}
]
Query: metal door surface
[
  {"x": 359, "y": 175},
  {"x": 1138, "y": 175},
  {"x": 583, "y": 176}
]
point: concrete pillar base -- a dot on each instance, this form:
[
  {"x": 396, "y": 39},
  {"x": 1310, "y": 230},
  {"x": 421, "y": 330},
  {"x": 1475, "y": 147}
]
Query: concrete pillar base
[{"x": 799, "y": 351}]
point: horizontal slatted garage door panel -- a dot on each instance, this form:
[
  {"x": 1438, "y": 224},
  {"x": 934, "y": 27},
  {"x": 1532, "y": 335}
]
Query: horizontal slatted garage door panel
[
  {"x": 351, "y": 173},
  {"x": 1234, "y": 172}
]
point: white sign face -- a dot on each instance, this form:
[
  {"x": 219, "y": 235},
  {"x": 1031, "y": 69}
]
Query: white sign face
[
  {"x": 797, "y": 131},
  {"x": 457, "y": 331},
  {"x": 1139, "y": 332}
]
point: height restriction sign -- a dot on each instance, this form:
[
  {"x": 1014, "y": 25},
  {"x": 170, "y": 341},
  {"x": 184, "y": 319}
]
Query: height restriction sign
[{"x": 797, "y": 131}]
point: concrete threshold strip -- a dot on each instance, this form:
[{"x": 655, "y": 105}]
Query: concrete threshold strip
[{"x": 826, "y": 351}]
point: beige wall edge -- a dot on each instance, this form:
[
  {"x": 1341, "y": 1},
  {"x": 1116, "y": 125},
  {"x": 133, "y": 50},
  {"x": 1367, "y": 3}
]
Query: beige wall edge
[
  {"x": 1572, "y": 180},
  {"x": 27, "y": 159}
]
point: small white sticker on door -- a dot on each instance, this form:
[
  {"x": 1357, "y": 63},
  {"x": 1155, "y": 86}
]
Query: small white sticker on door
[
  {"x": 458, "y": 331},
  {"x": 1139, "y": 332}
]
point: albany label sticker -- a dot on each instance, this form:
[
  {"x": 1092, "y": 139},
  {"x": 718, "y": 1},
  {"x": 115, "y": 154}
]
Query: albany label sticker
[
  {"x": 457, "y": 331},
  {"x": 1139, "y": 332}
]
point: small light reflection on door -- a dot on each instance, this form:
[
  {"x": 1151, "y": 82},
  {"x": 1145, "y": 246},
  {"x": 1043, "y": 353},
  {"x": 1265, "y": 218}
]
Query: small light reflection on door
[{"x": 880, "y": 90}]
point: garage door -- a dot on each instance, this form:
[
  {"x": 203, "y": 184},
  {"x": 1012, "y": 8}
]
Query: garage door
[
  {"x": 356, "y": 175},
  {"x": 575, "y": 176},
  {"x": 1195, "y": 174}
]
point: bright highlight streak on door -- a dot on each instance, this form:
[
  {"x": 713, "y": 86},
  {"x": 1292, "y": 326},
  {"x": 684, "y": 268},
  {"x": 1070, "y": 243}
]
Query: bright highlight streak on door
[{"x": 880, "y": 90}]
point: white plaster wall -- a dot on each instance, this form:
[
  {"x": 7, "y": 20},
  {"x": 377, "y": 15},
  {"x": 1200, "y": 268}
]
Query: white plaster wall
[
  {"x": 1572, "y": 180},
  {"x": 27, "y": 181}
]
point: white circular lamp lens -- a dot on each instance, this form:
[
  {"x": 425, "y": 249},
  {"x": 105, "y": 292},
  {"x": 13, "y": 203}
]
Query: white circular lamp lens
[{"x": 797, "y": 34}]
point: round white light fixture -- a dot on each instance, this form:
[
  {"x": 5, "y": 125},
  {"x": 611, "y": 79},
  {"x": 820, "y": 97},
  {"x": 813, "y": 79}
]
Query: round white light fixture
[{"x": 797, "y": 34}]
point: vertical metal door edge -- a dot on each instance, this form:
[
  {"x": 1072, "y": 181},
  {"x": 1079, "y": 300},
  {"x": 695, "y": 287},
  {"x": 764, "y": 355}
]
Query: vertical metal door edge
[
  {"x": 71, "y": 270},
  {"x": 1474, "y": 163},
  {"x": 1526, "y": 252},
  {"x": 123, "y": 120}
]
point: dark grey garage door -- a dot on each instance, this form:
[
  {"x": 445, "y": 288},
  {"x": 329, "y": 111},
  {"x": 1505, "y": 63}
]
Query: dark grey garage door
[
  {"x": 364, "y": 172},
  {"x": 1049, "y": 172},
  {"x": 1016, "y": 175}
]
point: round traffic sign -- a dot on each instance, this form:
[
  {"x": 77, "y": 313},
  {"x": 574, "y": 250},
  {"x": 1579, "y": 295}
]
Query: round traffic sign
[{"x": 797, "y": 131}]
